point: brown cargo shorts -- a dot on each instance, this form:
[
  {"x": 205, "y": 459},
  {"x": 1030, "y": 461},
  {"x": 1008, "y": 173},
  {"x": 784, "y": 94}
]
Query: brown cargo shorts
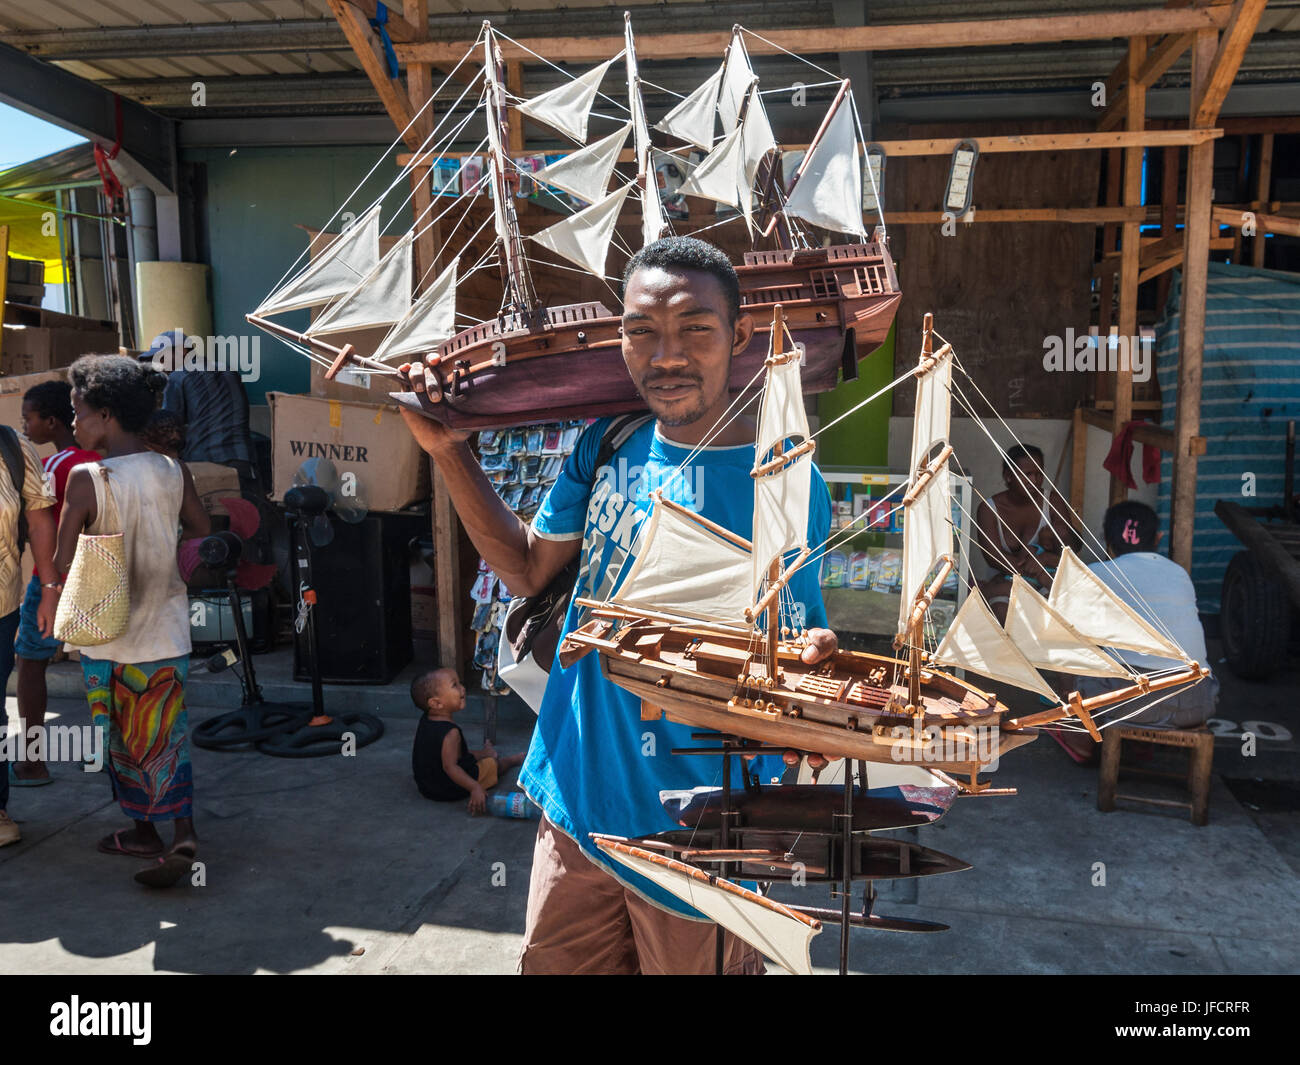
[{"x": 581, "y": 920}]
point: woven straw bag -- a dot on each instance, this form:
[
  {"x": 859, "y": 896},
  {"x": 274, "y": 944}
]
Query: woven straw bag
[{"x": 96, "y": 602}]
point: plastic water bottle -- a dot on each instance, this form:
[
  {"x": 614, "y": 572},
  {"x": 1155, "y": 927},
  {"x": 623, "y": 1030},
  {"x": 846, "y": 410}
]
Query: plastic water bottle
[{"x": 515, "y": 804}]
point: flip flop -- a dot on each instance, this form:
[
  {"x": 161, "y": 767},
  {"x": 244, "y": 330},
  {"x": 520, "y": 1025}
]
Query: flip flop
[
  {"x": 169, "y": 870},
  {"x": 1075, "y": 756},
  {"x": 113, "y": 845},
  {"x": 15, "y": 781}
]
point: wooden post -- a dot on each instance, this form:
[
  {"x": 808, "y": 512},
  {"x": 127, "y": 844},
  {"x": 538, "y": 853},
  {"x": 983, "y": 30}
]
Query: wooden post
[
  {"x": 1130, "y": 257},
  {"x": 1109, "y": 238},
  {"x": 1078, "y": 466},
  {"x": 1168, "y": 212},
  {"x": 1263, "y": 184},
  {"x": 515, "y": 119},
  {"x": 1191, "y": 348},
  {"x": 446, "y": 575}
]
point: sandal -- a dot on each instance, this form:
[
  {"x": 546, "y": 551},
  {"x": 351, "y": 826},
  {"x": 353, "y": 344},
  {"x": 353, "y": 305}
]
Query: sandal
[
  {"x": 169, "y": 870},
  {"x": 113, "y": 845}
]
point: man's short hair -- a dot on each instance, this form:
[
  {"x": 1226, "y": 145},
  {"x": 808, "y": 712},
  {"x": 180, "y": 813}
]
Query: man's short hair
[
  {"x": 1130, "y": 526},
  {"x": 687, "y": 253}
]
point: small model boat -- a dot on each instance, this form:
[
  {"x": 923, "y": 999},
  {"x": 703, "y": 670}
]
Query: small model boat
[{"x": 536, "y": 360}]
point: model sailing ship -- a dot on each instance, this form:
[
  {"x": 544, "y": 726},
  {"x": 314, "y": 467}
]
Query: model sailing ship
[
  {"x": 535, "y": 361},
  {"x": 703, "y": 630}
]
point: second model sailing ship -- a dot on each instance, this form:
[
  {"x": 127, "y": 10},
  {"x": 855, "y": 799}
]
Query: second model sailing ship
[
  {"x": 536, "y": 360},
  {"x": 703, "y": 630},
  {"x": 702, "y": 627}
]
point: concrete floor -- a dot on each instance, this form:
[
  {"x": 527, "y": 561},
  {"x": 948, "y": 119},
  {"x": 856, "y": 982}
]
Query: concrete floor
[{"x": 336, "y": 864}]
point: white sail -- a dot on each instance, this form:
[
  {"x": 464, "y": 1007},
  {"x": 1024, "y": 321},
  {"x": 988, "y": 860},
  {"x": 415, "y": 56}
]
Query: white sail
[
  {"x": 583, "y": 238},
  {"x": 683, "y": 568},
  {"x": 780, "y": 499},
  {"x": 567, "y": 107},
  {"x": 975, "y": 641},
  {"x": 1101, "y": 616},
  {"x": 717, "y": 177},
  {"x": 829, "y": 190},
  {"x": 1048, "y": 641},
  {"x": 772, "y": 929},
  {"x": 694, "y": 119},
  {"x": 381, "y": 298},
  {"x": 927, "y": 525},
  {"x": 585, "y": 173},
  {"x": 652, "y": 208},
  {"x": 737, "y": 76},
  {"x": 430, "y": 321},
  {"x": 332, "y": 273},
  {"x": 758, "y": 140}
]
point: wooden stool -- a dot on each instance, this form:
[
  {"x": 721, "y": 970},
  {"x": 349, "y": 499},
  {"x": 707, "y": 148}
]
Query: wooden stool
[{"x": 1201, "y": 744}]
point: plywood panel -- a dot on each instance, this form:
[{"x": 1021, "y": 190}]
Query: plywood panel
[{"x": 997, "y": 291}]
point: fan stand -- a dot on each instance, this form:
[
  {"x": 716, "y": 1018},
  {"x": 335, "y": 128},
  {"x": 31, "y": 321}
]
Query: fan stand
[
  {"x": 256, "y": 719},
  {"x": 321, "y": 734}
]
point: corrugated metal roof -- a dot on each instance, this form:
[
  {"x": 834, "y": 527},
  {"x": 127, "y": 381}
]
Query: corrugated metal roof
[{"x": 289, "y": 56}]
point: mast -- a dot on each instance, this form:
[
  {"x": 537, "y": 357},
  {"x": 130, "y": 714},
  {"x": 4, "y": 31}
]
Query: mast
[
  {"x": 515, "y": 277},
  {"x": 652, "y": 219},
  {"x": 774, "y": 569}
]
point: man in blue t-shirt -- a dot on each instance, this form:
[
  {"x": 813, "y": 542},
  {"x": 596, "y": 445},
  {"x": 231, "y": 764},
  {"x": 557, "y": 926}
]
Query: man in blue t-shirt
[{"x": 594, "y": 765}]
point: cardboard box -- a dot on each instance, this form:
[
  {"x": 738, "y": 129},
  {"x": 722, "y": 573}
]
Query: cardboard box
[
  {"x": 214, "y": 482},
  {"x": 28, "y": 349},
  {"x": 368, "y": 440}
]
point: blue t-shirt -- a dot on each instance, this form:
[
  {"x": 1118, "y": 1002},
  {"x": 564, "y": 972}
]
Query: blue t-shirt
[{"x": 594, "y": 765}]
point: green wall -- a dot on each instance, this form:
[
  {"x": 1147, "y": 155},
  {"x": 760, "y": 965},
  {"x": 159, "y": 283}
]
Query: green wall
[
  {"x": 257, "y": 198},
  {"x": 863, "y": 438}
]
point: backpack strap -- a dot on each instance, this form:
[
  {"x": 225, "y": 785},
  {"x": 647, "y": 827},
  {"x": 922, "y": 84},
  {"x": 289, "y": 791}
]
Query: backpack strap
[
  {"x": 16, "y": 462},
  {"x": 616, "y": 434}
]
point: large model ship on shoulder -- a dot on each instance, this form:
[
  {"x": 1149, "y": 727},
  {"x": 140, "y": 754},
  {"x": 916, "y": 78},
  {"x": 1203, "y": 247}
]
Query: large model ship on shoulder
[{"x": 536, "y": 361}]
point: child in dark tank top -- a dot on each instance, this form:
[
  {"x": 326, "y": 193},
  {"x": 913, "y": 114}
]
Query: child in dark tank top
[{"x": 444, "y": 767}]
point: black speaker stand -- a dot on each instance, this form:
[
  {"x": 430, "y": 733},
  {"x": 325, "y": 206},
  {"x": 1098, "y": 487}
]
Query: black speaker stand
[{"x": 322, "y": 733}]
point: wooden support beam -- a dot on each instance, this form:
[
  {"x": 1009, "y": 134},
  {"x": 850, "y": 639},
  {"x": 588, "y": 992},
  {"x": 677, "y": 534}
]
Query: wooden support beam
[
  {"x": 1191, "y": 346},
  {"x": 1053, "y": 142},
  {"x": 515, "y": 119},
  {"x": 446, "y": 577},
  {"x": 1142, "y": 434},
  {"x": 1093, "y": 216},
  {"x": 1156, "y": 250},
  {"x": 1109, "y": 244},
  {"x": 1272, "y": 223},
  {"x": 419, "y": 76},
  {"x": 1227, "y": 59},
  {"x": 1078, "y": 467},
  {"x": 1161, "y": 58},
  {"x": 391, "y": 91},
  {"x": 400, "y": 30},
  {"x": 1263, "y": 183},
  {"x": 1168, "y": 211},
  {"x": 966, "y": 33},
  {"x": 1130, "y": 247}
]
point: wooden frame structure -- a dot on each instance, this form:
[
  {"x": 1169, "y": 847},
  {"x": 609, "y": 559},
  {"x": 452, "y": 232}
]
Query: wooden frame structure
[{"x": 1216, "y": 31}]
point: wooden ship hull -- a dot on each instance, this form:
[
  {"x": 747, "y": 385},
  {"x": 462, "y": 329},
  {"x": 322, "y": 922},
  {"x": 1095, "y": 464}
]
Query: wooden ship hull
[
  {"x": 853, "y": 705},
  {"x": 567, "y": 362}
]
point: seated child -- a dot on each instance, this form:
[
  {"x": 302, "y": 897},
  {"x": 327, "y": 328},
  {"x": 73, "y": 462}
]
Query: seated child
[
  {"x": 1168, "y": 600},
  {"x": 445, "y": 768}
]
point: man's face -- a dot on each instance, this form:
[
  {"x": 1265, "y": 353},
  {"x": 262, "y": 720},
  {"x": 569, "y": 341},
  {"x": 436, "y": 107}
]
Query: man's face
[
  {"x": 678, "y": 341},
  {"x": 451, "y": 692}
]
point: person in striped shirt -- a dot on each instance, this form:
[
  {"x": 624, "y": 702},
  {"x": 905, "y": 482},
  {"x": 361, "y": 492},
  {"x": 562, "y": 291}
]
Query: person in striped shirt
[{"x": 47, "y": 419}]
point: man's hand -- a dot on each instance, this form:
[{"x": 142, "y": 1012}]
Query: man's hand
[
  {"x": 431, "y": 435},
  {"x": 477, "y": 800},
  {"x": 822, "y": 643}
]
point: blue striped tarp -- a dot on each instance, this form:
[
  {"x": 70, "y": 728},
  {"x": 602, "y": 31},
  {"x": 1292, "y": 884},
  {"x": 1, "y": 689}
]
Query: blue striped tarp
[{"x": 1250, "y": 390}]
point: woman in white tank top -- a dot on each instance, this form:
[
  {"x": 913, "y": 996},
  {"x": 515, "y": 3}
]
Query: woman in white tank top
[{"x": 135, "y": 684}]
